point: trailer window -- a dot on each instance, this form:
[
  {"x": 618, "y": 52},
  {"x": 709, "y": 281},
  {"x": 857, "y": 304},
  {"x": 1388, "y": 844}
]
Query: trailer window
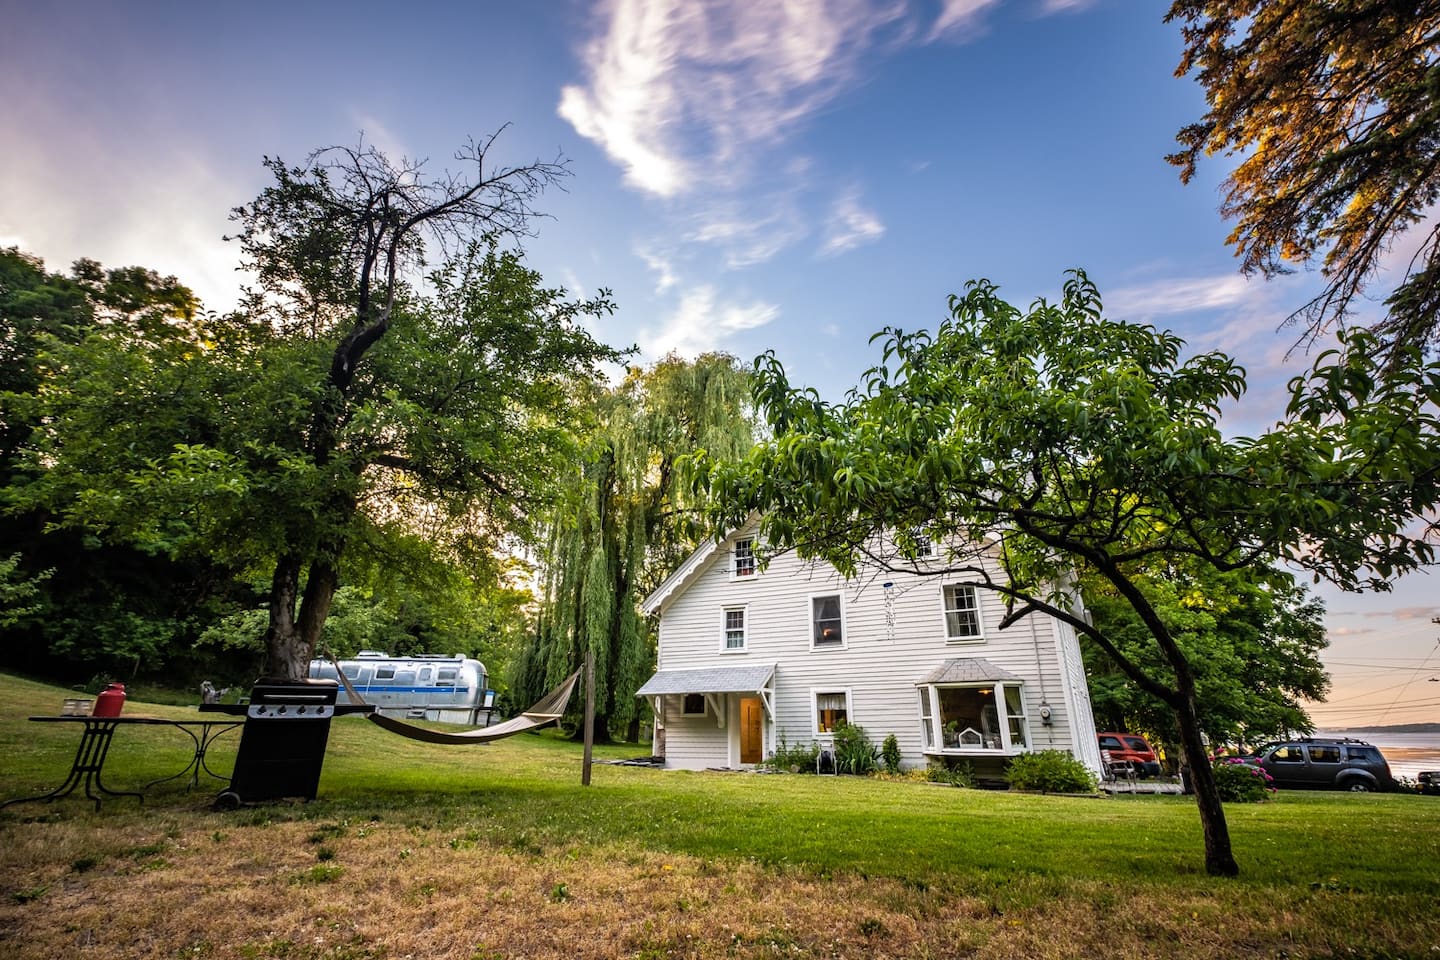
[
  {"x": 351, "y": 670},
  {"x": 405, "y": 678},
  {"x": 425, "y": 673},
  {"x": 384, "y": 673},
  {"x": 446, "y": 678}
]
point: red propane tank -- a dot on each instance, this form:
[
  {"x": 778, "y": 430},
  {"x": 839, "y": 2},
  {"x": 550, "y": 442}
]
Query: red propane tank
[{"x": 110, "y": 700}]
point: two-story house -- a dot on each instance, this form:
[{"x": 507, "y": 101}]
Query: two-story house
[{"x": 748, "y": 656}]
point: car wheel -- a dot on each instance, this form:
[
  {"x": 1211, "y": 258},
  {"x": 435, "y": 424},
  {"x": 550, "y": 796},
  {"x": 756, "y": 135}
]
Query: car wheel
[{"x": 1357, "y": 786}]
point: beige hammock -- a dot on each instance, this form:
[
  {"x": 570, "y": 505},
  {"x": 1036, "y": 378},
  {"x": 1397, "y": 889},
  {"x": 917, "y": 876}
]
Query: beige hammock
[{"x": 549, "y": 709}]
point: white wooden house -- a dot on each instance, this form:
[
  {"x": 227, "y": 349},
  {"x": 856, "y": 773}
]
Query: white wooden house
[{"x": 748, "y": 656}]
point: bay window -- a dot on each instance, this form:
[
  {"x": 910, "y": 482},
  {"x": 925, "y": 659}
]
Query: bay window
[{"x": 973, "y": 718}]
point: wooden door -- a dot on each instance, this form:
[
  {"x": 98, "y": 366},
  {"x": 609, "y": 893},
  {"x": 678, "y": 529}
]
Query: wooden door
[{"x": 752, "y": 739}]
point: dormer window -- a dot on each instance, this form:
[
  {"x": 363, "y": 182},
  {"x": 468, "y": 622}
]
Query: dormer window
[{"x": 744, "y": 559}]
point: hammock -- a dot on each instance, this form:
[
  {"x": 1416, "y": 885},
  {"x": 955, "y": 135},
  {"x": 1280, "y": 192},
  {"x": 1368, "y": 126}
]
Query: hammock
[{"x": 550, "y": 708}]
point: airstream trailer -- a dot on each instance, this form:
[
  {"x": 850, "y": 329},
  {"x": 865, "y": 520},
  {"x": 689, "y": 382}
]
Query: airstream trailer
[{"x": 422, "y": 687}]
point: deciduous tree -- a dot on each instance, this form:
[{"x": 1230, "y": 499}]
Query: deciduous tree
[
  {"x": 1334, "y": 111},
  {"x": 627, "y": 519},
  {"x": 1253, "y": 636},
  {"x": 1054, "y": 443}
]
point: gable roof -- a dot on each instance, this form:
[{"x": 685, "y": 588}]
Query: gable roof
[{"x": 680, "y": 579}]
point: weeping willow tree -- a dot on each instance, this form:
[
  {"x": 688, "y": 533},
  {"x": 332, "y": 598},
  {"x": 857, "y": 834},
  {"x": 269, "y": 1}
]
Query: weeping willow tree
[{"x": 626, "y": 520}]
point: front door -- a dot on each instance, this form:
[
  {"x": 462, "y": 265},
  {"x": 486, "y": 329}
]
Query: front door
[{"x": 752, "y": 741}]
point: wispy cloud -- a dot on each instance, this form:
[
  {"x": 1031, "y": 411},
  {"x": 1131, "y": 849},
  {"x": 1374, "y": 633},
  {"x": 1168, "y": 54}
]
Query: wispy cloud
[
  {"x": 1174, "y": 296},
  {"x": 1065, "y": 6},
  {"x": 1406, "y": 613},
  {"x": 849, "y": 226},
  {"x": 702, "y": 322},
  {"x": 960, "y": 19},
  {"x": 665, "y": 276},
  {"x": 680, "y": 93}
]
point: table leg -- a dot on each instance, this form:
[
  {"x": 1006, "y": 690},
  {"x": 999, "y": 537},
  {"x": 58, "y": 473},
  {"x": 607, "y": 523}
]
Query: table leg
[{"x": 86, "y": 768}]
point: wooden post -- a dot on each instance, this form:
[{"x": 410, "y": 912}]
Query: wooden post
[{"x": 589, "y": 715}]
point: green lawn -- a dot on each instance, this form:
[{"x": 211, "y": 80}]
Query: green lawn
[{"x": 1323, "y": 873}]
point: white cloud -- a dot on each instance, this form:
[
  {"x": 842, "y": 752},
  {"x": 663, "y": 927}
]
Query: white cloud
[
  {"x": 680, "y": 94},
  {"x": 959, "y": 18},
  {"x": 744, "y": 235},
  {"x": 665, "y": 276},
  {"x": 1064, "y": 6},
  {"x": 849, "y": 226},
  {"x": 1171, "y": 296},
  {"x": 701, "y": 323}
]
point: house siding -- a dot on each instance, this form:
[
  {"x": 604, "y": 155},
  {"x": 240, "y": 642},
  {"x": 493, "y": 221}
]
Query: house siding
[{"x": 877, "y": 665}]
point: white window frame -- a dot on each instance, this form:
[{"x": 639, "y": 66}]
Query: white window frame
[
  {"x": 945, "y": 614},
  {"x": 1003, "y": 717},
  {"x": 744, "y": 611},
  {"x": 810, "y": 621},
  {"x": 815, "y": 694},
  {"x": 692, "y": 713},
  {"x": 735, "y": 558}
]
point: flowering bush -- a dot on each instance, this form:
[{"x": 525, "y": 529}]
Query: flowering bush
[{"x": 1241, "y": 782}]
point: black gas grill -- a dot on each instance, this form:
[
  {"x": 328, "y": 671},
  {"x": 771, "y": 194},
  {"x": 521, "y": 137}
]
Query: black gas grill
[{"x": 282, "y": 746}]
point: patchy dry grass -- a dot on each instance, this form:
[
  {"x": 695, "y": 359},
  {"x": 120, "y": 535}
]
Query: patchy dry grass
[{"x": 496, "y": 852}]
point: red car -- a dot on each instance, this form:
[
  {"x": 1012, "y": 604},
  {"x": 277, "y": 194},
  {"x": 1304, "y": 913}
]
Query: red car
[{"x": 1119, "y": 749}]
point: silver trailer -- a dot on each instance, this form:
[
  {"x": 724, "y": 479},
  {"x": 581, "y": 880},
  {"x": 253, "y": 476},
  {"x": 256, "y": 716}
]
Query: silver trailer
[{"x": 424, "y": 687}]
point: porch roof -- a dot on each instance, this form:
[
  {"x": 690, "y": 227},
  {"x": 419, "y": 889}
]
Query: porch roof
[
  {"x": 750, "y": 678},
  {"x": 967, "y": 670}
]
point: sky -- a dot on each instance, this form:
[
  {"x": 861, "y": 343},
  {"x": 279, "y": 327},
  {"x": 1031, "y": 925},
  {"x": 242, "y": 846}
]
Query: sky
[{"x": 788, "y": 176}]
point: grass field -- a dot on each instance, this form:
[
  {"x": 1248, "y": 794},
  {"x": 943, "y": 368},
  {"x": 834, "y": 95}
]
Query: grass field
[{"x": 496, "y": 851}]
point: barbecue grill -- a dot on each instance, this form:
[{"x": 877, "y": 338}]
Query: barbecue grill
[{"x": 282, "y": 746}]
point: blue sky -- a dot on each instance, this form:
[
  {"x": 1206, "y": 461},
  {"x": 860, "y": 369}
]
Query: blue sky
[{"x": 747, "y": 176}]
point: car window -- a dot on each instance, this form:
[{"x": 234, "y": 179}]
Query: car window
[
  {"x": 1288, "y": 754},
  {"x": 1110, "y": 743},
  {"x": 1324, "y": 753},
  {"x": 1366, "y": 753},
  {"x": 1135, "y": 743}
]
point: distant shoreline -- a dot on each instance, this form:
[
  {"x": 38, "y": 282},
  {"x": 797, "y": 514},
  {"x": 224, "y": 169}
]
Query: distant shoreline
[{"x": 1392, "y": 728}]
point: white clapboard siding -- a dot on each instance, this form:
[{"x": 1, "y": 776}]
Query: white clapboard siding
[{"x": 878, "y": 666}]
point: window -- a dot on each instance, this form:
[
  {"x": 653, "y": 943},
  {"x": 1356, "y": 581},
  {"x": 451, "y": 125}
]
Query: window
[
  {"x": 927, "y": 722},
  {"x": 384, "y": 673},
  {"x": 351, "y": 670},
  {"x": 744, "y": 565},
  {"x": 693, "y": 705},
  {"x": 1324, "y": 754},
  {"x": 424, "y": 674},
  {"x": 446, "y": 677},
  {"x": 976, "y": 718},
  {"x": 1288, "y": 755},
  {"x": 734, "y": 629},
  {"x": 962, "y": 613},
  {"x": 827, "y": 620},
  {"x": 830, "y": 709}
]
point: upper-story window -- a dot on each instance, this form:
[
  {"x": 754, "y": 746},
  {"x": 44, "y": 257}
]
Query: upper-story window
[
  {"x": 827, "y": 621},
  {"x": 744, "y": 559},
  {"x": 962, "y": 613},
  {"x": 734, "y": 629}
]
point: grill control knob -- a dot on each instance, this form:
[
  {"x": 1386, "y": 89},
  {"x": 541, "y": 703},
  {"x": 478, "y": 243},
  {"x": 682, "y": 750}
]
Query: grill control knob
[{"x": 280, "y": 709}]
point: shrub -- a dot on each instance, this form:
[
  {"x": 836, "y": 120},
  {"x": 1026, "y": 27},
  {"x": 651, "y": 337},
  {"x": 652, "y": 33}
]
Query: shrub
[
  {"x": 796, "y": 759},
  {"x": 854, "y": 751},
  {"x": 960, "y": 775},
  {"x": 1050, "y": 771},
  {"x": 890, "y": 754},
  {"x": 1241, "y": 782}
]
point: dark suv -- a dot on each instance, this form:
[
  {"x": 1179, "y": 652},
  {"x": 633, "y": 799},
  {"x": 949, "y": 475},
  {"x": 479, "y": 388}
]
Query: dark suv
[{"x": 1323, "y": 764}]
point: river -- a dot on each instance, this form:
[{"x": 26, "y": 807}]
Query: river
[{"x": 1407, "y": 753}]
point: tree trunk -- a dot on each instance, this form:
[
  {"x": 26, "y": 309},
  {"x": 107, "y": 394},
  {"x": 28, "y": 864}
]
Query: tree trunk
[
  {"x": 1219, "y": 860},
  {"x": 282, "y": 638}
]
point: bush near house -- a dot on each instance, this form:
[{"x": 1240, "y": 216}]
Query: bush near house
[
  {"x": 854, "y": 751},
  {"x": 1241, "y": 782},
  {"x": 1050, "y": 771}
]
